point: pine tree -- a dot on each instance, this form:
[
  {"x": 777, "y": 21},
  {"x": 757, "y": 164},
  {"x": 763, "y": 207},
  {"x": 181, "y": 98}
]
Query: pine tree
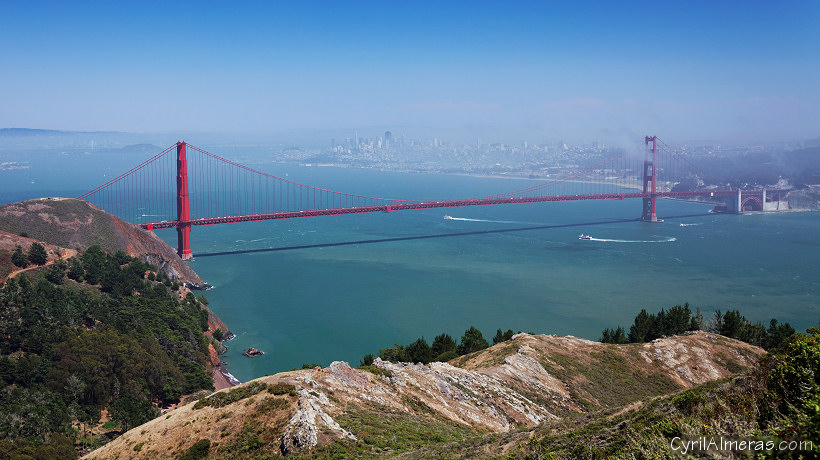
[
  {"x": 619, "y": 336},
  {"x": 19, "y": 258},
  {"x": 503, "y": 336},
  {"x": 367, "y": 360},
  {"x": 442, "y": 344},
  {"x": 419, "y": 351},
  {"x": 75, "y": 269},
  {"x": 471, "y": 341},
  {"x": 613, "y": 335},
  {"x": 606, "y": 336},
  {"x": 37, "y": 254},
  {"x": 641, "y": 328},
  {"x": 696, "y": 324}
]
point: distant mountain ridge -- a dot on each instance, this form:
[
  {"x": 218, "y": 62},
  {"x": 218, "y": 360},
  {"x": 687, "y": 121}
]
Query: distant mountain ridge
[{"x": 19, "y": 132}]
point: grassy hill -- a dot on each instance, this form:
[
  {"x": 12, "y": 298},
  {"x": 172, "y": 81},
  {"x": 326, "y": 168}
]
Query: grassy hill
[
  {"x": 486, "y": 404},
  {"x": 77, "y": 224}
]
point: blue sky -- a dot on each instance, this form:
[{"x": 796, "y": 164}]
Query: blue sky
[{"x": 508, "y": 71}]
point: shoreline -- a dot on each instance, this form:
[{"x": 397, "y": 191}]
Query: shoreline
[
  {"x": 514, "y": 176},
  {"x": 222, "y": 378},
  {"x": 219, "y": 371}
]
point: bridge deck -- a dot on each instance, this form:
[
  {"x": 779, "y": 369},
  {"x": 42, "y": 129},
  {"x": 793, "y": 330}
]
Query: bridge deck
[{"x": 406, "y": 206}]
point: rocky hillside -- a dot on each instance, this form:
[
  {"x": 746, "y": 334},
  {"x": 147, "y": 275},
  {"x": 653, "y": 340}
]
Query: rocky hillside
[
  {"x": 405, "y": 409},
  {"x": 77, "y": 224}
]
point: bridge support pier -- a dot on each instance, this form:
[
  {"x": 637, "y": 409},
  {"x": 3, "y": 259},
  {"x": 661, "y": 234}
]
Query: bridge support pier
[
  {"x": 183, "y": 212},
  {"x": 738, "y": 203},
  {"x": 184, "y": 242},
  {"x": 650, "y": 182},
  {"x": 739, "y": 208}
]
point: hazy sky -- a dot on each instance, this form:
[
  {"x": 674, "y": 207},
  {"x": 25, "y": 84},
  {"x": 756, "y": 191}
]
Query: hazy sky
[{"x": 723, "y": 70}]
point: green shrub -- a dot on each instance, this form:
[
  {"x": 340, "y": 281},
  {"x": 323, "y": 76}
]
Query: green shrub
[
  {"x": 197, "y": 451},
  {"x": 688, "y": 401},
  {"x": 224, "y": 398},
  {"x": 376, "y": 370},
  {"x": 447, "y": 356},
  {"x": 281, "y": 388}
]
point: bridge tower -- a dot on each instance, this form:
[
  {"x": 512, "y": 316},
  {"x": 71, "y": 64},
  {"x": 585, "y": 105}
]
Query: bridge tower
[
  {"x": 650, "y": 181},
  {"x": 183, "y": 214}
]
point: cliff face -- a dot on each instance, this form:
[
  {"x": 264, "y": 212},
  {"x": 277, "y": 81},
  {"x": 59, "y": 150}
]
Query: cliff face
[
  {"x": 77, "y": 224},
  {"x": 808, "y": 199},
  {"x": 390, "y": 408}
]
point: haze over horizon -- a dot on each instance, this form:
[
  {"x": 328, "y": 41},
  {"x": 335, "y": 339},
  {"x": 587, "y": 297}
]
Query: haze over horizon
[{"x": 535, "y": 71}]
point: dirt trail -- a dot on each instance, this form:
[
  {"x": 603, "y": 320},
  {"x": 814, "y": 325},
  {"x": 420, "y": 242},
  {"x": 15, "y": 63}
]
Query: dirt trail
[{"x": 66, "y": 254}]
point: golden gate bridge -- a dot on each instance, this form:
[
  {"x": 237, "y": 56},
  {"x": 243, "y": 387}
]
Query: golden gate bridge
[{"x": 185, "y": 186}]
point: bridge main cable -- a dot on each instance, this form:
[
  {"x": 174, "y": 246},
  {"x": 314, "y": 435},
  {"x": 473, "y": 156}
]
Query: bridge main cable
[{"x": 271, "y": 176}]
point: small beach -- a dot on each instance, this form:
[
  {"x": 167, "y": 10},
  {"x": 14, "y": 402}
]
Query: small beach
[{"x": 222, "y": 378}]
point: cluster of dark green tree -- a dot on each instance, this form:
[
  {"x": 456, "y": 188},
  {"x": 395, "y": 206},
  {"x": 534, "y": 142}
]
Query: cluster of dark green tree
[
  {"x": 679, "y": 319},
  {"x": 444, "y": 348},
  {"x": 116, "y": 337},
  {"x": 36, "y": 255}
]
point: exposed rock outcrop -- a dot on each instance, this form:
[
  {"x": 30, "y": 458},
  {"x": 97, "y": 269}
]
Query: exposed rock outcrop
[
  {"x": 251, "y": 352},
  {"x": 302, "y": 432}
]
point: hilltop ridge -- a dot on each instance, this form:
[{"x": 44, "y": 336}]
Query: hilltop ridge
[
  {"x": 392, "y": 408},
  {"x": 77, "y": 224}
]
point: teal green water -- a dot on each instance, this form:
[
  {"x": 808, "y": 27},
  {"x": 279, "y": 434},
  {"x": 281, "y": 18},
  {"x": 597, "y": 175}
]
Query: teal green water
[{"x": 326, "y": 303}]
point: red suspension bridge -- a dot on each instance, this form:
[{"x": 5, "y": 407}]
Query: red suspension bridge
[{"x": 209, "y": 189}]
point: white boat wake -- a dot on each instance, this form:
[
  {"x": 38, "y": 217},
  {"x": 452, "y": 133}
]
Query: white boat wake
[
  {"x": 256, "y": 240},
  {"x": 688, "y": 225},
  {"x": 668, "y": 239},
  {"x": 464, "y": 219}
]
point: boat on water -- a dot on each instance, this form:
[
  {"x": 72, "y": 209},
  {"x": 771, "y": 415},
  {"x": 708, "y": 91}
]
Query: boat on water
[
  {"x": 447, "y": 217},
  {"x": 584, "y": 237}
]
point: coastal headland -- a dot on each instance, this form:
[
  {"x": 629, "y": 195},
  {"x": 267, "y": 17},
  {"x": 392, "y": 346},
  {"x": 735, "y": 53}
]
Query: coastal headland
[{"x": 67, "y": 227}]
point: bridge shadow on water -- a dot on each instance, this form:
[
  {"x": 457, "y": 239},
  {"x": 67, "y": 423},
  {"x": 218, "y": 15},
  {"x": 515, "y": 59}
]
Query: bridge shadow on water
[{"x": 442, "y": 235}]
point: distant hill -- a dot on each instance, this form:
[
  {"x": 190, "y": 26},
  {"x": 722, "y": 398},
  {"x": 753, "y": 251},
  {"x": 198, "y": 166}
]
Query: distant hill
[
  {"x": 14, "y": 132},
  {"x": 77, "y": 224},
  {"x": 20, "y": 132},
  {"x": 140, "y": 148}
]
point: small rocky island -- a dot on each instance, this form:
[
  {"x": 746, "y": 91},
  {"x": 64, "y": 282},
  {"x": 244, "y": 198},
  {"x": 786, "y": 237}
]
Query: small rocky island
[{"x": 251, "y": 352}]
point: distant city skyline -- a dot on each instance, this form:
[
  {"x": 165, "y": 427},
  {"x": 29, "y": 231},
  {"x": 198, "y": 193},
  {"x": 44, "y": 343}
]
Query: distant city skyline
[{"x": 506, "y": 72}]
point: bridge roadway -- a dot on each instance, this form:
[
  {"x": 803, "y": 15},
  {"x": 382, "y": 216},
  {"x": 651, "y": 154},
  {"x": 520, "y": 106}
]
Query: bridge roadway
[{"x": 410, "y": 205}]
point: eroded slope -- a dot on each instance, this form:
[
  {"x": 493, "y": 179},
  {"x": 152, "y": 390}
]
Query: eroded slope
[{"x": 392, "y": 408}]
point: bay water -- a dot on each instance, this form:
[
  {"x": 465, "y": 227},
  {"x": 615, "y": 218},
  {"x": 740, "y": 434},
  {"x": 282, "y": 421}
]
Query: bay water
[
  {"x": 315, "y": 290},
  {"x": 320, "y": 289}
]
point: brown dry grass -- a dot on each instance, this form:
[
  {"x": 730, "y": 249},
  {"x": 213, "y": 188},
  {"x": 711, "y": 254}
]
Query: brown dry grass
[{"x": 169, "y": 435}]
